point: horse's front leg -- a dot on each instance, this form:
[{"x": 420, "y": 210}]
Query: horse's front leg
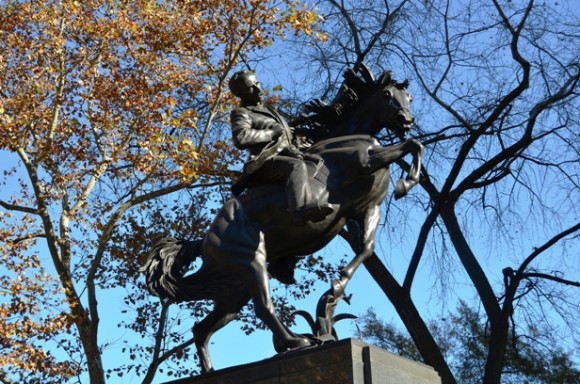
[
  {"x": 382, "y": 157},
  {"x": 403, "y": 186}
]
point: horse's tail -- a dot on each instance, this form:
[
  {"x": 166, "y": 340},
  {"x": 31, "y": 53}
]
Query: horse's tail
[{"x": 166, "y": 265}]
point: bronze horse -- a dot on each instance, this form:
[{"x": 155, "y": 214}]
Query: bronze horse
[{"x": 254, "y": 229}]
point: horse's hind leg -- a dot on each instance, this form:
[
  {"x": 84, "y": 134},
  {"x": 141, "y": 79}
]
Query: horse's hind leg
[
  {"x": 364, "y": 246},
  {"x": 361, "y": 236},
  {"x": 223, "y": 312},
  {"x": 259, "y": 287}
]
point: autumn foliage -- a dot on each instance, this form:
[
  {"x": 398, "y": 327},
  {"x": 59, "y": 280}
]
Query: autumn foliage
[{"x": 107, "y": 110}]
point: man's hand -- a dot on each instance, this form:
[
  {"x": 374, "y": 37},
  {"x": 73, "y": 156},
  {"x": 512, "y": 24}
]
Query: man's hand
[
  {"x": 278, "y": 130},
  {"x": 292, "y": 151}
]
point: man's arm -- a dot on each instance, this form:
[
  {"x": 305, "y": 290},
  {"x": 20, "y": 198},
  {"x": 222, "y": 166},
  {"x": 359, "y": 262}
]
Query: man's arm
[{"x": 245, "y": 135}]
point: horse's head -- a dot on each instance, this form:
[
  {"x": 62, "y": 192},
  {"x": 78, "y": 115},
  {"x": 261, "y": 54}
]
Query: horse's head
[
  {"x": 394, "y": 105},
  {"x": 363, "y": 105}
]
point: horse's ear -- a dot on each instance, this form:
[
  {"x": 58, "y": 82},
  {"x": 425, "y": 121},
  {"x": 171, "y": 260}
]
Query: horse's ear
[
  {"x": 386, "y": 78},
  {"x": 367, "y": 74},
  {"x": 404, "y": 84}
]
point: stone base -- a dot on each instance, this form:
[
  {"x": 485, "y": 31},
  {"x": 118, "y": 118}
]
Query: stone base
[{"x": 343, "y": 362}]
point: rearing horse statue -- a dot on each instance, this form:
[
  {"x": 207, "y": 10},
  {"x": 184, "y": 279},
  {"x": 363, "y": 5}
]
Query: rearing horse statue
[{"x": 254, "y": 229}]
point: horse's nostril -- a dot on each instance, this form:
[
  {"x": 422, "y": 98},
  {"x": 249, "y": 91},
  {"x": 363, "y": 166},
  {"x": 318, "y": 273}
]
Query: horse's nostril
[{"x": 402, "y": 118}]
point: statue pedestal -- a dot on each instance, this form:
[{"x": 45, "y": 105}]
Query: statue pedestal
[{"x": 343, "y": 362}]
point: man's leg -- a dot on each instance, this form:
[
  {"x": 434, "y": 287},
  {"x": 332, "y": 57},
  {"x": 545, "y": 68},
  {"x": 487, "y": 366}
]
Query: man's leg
[{"x": 297, "y": 186}]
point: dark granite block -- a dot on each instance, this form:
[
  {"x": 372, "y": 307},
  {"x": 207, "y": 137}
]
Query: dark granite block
[{"x": 343, "y": 362}]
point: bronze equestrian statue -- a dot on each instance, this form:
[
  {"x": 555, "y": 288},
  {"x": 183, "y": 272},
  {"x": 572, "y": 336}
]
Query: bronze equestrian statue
[{"x": 348, "y": 176}]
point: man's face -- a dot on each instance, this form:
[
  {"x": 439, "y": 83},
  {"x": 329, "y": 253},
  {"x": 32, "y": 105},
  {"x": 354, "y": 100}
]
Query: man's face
[{"x": 252, "y": 90}]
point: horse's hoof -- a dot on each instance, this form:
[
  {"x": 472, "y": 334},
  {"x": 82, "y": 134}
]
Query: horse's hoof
[
  {"x": 298, "y": 343},
  {"x": 400, "y": 189},
  {"x": 207, "y": 370}
]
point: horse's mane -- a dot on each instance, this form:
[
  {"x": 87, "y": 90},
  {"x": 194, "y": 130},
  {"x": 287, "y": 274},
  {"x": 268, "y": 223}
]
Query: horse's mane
[{"x": 319, "y": 118}]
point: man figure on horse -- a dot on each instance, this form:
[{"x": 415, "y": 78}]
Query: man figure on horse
[{"x": 263, "y": 132}]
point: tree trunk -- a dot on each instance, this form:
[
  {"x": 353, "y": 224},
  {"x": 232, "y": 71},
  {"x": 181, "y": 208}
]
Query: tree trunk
[
  {"x": 497, "y": 318},
  {"x": 496, "y": 353},
  {"x": 417, "y": 328},
  {"x": 87, "y": 333}
]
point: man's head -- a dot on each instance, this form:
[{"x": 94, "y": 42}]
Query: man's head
[{"x": 245, "y": 85}]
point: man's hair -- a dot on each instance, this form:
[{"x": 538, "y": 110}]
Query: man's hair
[{"x": 238, "y": 82}]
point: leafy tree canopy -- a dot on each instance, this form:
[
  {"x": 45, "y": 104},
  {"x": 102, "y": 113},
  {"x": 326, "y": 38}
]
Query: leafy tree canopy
[{"x": 106, "y": 108}]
